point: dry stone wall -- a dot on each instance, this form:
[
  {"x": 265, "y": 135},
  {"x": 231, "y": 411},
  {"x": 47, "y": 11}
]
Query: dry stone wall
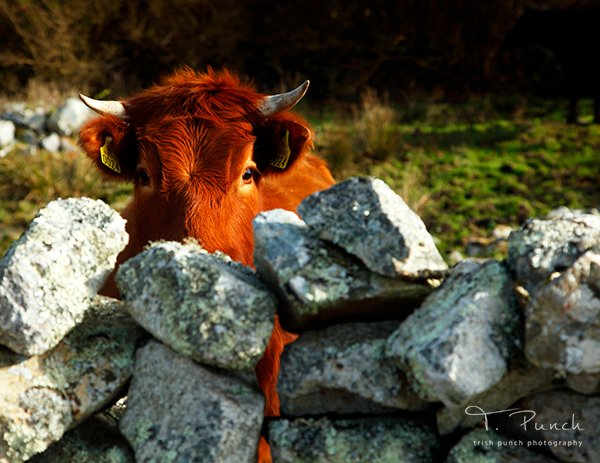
[{"x": 399, "y": 359}]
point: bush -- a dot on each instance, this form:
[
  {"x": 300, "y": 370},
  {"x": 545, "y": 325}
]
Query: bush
[
  {"x": 375, "y": 127},
  {"x": 342, "y": 46}
]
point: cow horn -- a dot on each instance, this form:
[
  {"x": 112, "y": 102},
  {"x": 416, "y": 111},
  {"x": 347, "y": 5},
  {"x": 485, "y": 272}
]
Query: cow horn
[
  {"x": 105, "y": 108},
  {"x": 276, "y": 103}
]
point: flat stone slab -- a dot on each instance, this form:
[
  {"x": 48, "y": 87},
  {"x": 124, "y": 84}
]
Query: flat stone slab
[
  {"x": 471, "y": 317},
  {"x": 204, "y": 306},
  {"x": 318, "y": 283},
  {"x": 367, "y": 219},
  {"x": 44, "y": 396},
  {"x": 342, "y": 369},
  {"x": 179, "y": 411},
  {"x": 373, "y": 440},
  {"x": 50, "y": 274}
]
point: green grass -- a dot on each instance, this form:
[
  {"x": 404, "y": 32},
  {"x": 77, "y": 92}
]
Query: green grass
[
  {"x": 465, "y": 168},
  {"x": 465, "y": 175}
]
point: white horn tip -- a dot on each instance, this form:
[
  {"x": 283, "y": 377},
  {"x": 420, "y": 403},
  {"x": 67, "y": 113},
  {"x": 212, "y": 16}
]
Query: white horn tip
[
  {"x": 283, "y": 101},
  {"x": 104, "y": 108}
]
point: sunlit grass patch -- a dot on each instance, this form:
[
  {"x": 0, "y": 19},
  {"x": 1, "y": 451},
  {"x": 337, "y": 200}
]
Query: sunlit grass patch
[
  {"x": 30, "y": 181},
  {"x": 469, "y": 175}
]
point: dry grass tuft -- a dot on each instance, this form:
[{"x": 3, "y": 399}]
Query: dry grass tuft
[{"x": 375, "y": 127}]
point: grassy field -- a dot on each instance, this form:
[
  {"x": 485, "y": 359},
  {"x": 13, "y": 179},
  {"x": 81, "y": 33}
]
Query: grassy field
[
  {"x": 464, "y": 168},
  {"x": 468, "y": 168}
]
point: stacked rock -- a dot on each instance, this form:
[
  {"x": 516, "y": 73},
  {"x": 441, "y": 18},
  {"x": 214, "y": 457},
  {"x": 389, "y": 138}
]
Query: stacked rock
[
  {"x": 398, "y": 359},
  {"x": 72, "y": 351},
  {"x": 358, "y": 264},
  {"x": 495, "y": 336},
  {"x": 194, "y": 395}
]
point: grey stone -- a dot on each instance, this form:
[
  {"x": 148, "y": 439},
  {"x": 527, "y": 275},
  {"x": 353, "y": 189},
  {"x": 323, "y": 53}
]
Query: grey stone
[
  {"x": 481, "y": 446},
  {"x": 373, "y": 440},
  {"x": 69, "y": 117},
  {"x": 457, "y": 344},
  {"x": 7, "y": 133},
  {"x": 28, "y": 137},
  {"x": 521, "y": 380},
  {"x": 342, "y": 369},
  {"x": 368, "y": 220},
  {"x": 44, "y": 396},
  {"x": 552, "y": 419},
  {"x": 542, "y": 247},
  {"x": 202, "y": 416},
  {"x": 95, "y": 441},
  {"x": 564, "y": 212},
  {"x": 204, "y": 306},
  {"x": 584, "y": 383},
  {"x": 51, "y": 143},
  {"x": 318, "y": 282},
  {"x": 49, "y": 275},
  {"x": 34, "y": 119},
  {"x": 562, "y": 321}
]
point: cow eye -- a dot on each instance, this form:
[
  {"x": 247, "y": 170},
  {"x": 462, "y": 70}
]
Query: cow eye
[
  {"x": 144, "y": 177},
  {"x": 248, "y": 174}
]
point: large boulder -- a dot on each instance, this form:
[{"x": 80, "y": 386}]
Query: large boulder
[
  {"x": 471, "y": 317},
  {"x": 50, "y": 274},
  {"x": 368, "y": 220},
  {"x": 179, "y": 411},
  {"x": 44, "y": 396},
  {"x": 204, "y": 306}
]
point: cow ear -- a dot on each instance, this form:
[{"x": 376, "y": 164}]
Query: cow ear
[
  {"x": 109, "y": 144},
  {"x": 280, "y": 142}
]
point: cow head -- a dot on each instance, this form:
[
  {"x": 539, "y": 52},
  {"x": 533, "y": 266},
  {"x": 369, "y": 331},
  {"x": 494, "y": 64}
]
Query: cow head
[{"x": 204, "y": 153}]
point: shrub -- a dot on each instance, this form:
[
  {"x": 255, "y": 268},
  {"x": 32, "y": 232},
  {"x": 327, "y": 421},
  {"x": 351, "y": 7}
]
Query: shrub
[{"x": 375, "y": 127}]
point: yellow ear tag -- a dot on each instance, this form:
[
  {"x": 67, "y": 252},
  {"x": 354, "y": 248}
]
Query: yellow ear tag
[
  {"x": 108, "y": 158},
  {"x": 281, "y": 161}
]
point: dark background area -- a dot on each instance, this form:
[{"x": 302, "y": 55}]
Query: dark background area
[{"x": 454, "y": 49}]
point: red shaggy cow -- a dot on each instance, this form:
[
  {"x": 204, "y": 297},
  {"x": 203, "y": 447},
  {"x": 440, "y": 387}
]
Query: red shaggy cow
[{"x": 207, "y": 154}]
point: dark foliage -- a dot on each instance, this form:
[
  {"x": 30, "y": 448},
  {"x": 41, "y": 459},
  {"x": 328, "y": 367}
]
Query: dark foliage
[{"x": 343, "y": 46}]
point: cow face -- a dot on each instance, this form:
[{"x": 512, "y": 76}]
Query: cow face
[{"x": 205, "y": 154}]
